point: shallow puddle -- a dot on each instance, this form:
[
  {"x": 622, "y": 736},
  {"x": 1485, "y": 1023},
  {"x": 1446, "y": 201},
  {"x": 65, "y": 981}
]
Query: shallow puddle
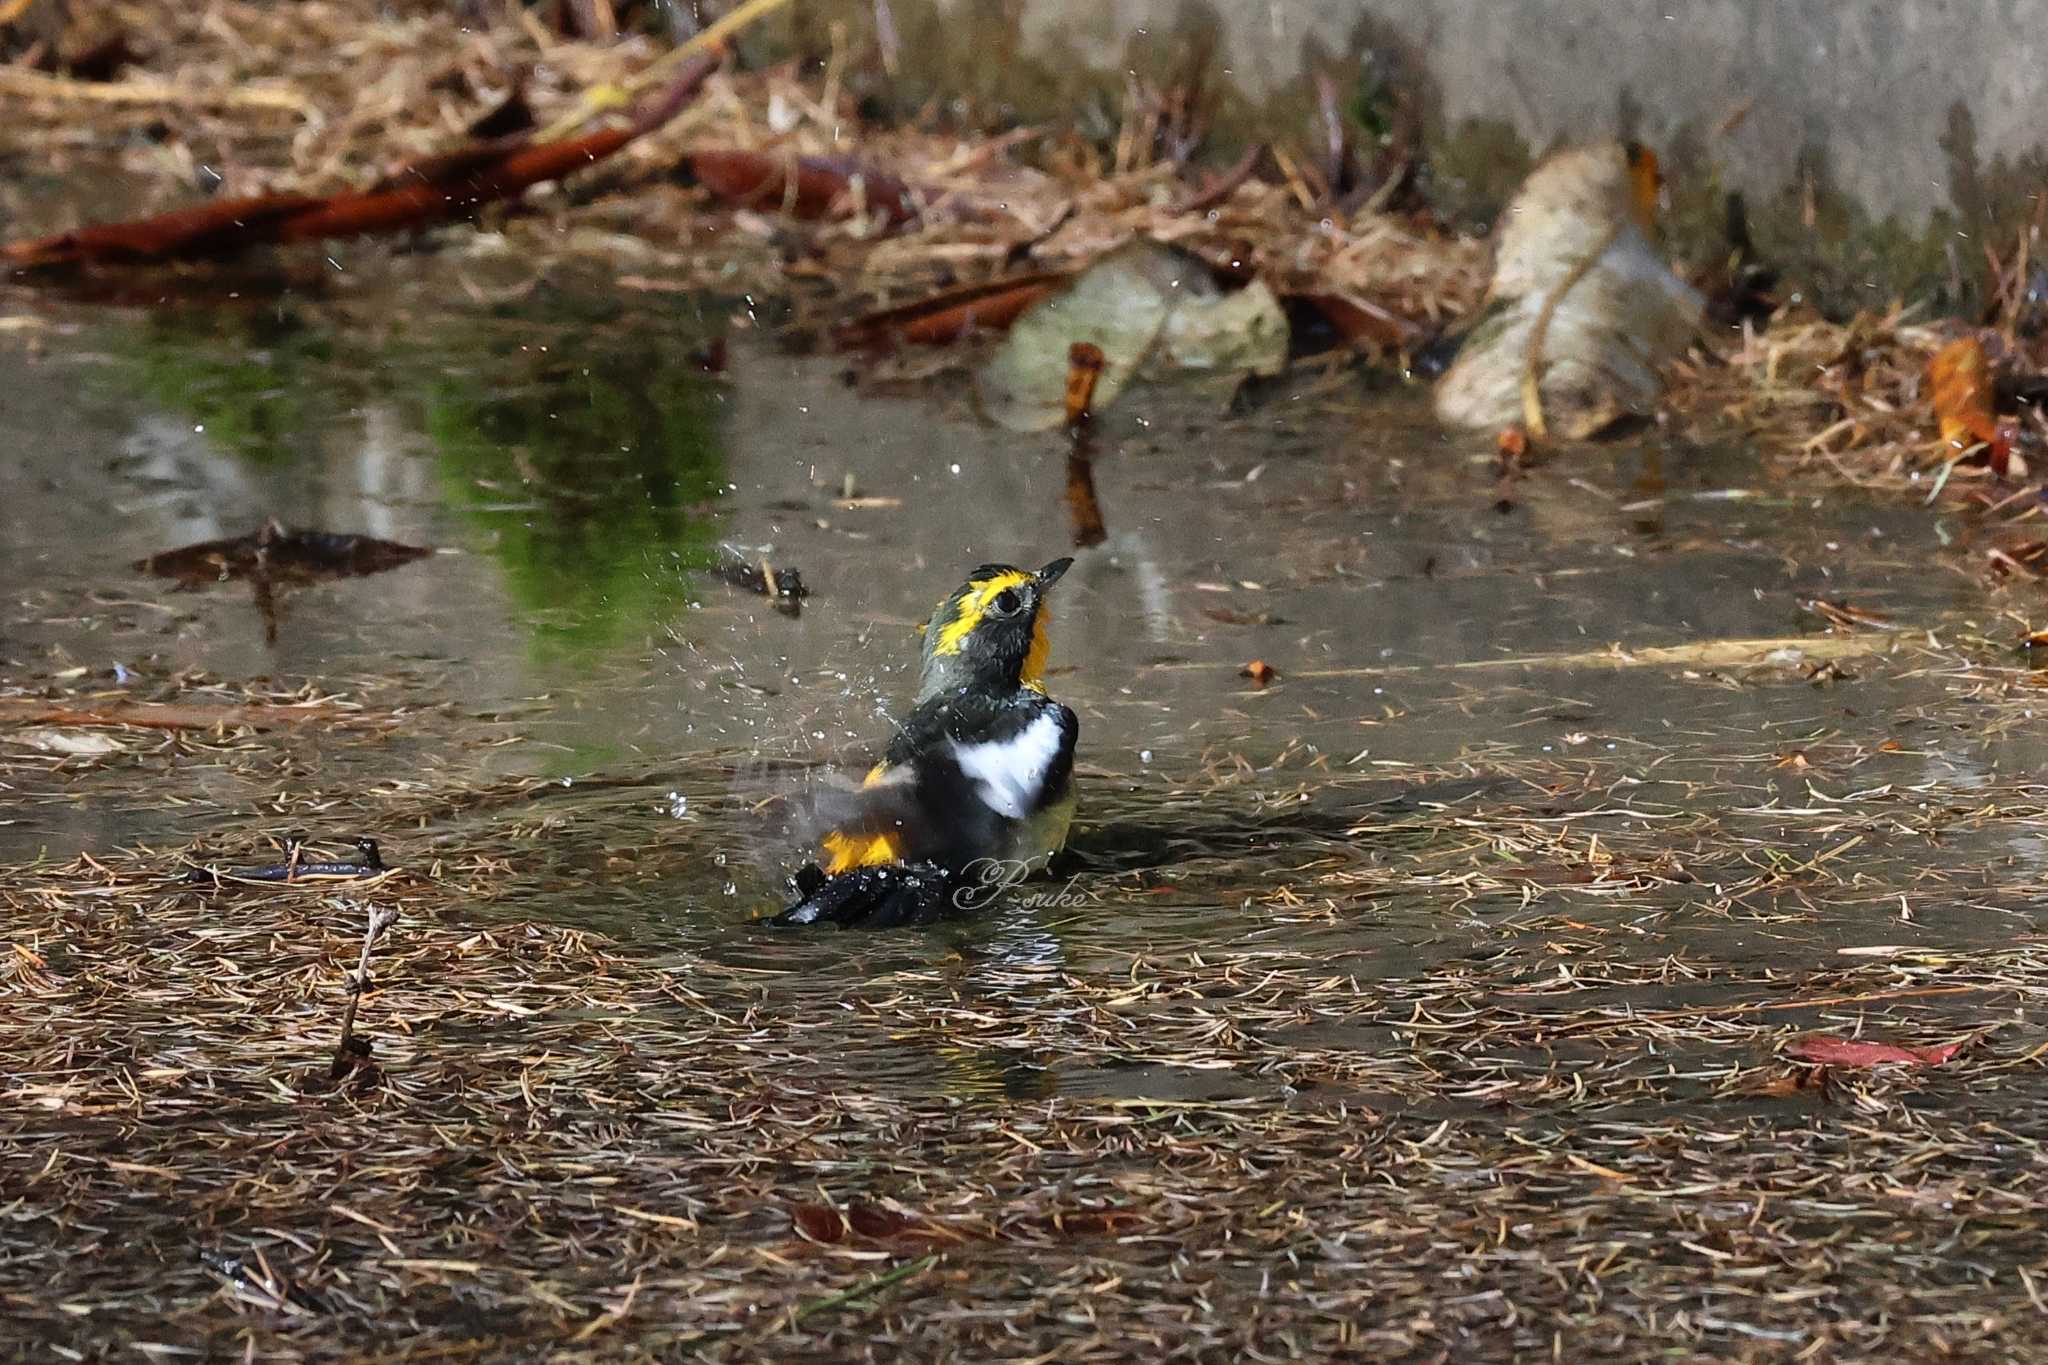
[{"x": 1471, "y": 744}]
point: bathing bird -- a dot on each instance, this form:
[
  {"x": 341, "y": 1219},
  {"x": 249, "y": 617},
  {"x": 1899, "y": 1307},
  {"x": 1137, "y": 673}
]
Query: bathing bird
[{"x": 975, "y": 790}]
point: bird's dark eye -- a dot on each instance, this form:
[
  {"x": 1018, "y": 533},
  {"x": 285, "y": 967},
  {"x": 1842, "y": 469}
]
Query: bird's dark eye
[{"x": 1006, "y": 603}]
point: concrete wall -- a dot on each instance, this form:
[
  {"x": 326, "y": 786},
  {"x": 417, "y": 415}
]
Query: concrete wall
[
  {"x": 1881, "y": 87},
  {"x": 1908, "y": 119}
]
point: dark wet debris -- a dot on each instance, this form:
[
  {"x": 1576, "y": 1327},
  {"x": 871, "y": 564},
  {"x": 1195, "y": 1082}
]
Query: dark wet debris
[
  {"x": 285, "y": 555},
  {"x": 275, "y": 556},
  {"x": 783, "y": 587},
  {"x": 298, "y": 866}
]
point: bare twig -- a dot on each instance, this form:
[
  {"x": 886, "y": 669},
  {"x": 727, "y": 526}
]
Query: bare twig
[{"x": 346, "y": 1050}]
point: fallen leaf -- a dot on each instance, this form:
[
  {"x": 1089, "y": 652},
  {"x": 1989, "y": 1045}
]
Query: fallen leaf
[
  {"x": 69, "y": 743},
  {"x": 283, "y": 554},
  {"x": 1117, "y": 305},
  {"x": 1582, "y": 311},
  {"x": 1142, "y": 304},
  {"x": 1961, "y": 379},
  {"x": 1259, "y": 671},
  {"x": 1823, "y": 1049},
  {"x": 1244, "y": 332}
]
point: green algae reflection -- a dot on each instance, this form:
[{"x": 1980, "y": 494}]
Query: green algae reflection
[
  {"x": 580, "y": 443},
  {"x": 246, "y": 378},
  {"x": 591, "y": 465}
]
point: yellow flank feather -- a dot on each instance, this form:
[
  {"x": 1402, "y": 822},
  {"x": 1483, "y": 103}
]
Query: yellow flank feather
[
  {"x": 844, "y": 852},
  {"x": 974, "y": 610}
]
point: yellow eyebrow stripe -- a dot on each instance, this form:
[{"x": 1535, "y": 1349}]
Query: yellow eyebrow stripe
[{"x": 974, "y": 609}]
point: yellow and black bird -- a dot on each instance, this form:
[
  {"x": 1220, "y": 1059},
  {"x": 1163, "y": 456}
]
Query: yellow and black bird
[{"x": 977, "y": 785}]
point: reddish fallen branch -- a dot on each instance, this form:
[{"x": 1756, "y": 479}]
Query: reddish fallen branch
[
  {"x": 804, "y": 186},
  {"x": 944, "y": 318},
  {"x": 439, "y": 190}
]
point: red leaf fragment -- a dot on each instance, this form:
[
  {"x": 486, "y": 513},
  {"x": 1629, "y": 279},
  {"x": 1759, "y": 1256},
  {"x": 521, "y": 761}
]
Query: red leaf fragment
[
  {"x": 866, "y": 1222},
  {"x": 1823, "y": 1049},
  {"x": 823, "y": 185}
]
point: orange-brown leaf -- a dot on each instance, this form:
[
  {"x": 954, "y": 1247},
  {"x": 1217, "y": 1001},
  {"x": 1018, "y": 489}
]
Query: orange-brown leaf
[
  {"x": 1961, "y": 379},
  {"x": 1084, "y": 367}
]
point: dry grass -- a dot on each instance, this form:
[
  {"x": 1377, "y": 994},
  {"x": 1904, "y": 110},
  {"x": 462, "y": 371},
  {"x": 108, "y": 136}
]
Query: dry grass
[
  {"x": 1028, "y": 201},
  {"x": 561, "y": 1145},
  {"x": 1284, "y": 1138}
]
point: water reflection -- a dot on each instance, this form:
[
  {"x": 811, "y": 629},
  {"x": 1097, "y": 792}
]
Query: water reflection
[
  {"x": 582, "y": 450},
  {"x": 253, "y": 381},
  {"x": 591, "y": 464}
]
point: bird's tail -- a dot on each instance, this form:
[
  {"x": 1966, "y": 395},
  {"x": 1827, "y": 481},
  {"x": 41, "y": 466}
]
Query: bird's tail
[{"x": 880, "y": 897}]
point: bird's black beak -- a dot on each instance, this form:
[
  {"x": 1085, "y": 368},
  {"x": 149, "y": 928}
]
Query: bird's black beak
[{"x": 1050, "y": 574}]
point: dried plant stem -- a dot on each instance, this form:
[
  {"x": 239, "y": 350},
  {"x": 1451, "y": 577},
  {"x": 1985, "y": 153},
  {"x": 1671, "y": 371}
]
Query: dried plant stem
[
  {"x": 866, "y": 1287},
  {"x": 37, "y": 85},
  {"x": 710, "y": 39},
  {"x": 380, "y": 918}
]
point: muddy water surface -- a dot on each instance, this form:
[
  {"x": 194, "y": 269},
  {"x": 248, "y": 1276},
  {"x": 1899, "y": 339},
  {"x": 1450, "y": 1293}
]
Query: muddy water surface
[{"x": 1467, "y": 750}]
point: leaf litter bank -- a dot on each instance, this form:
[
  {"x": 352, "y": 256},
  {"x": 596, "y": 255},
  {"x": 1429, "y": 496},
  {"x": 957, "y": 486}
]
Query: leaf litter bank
[
  {"x": 1589, "y": 1139},
  {"x": 1593, "y": 1134}
]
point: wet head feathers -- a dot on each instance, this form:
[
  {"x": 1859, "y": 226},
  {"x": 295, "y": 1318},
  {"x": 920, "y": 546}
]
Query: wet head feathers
[
  {"x": 974, "y": 602},
  {"x": 992, "y": 631}
]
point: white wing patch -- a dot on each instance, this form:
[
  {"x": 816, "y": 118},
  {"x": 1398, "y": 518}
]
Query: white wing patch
[{"x": 1011, "y": 773}]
